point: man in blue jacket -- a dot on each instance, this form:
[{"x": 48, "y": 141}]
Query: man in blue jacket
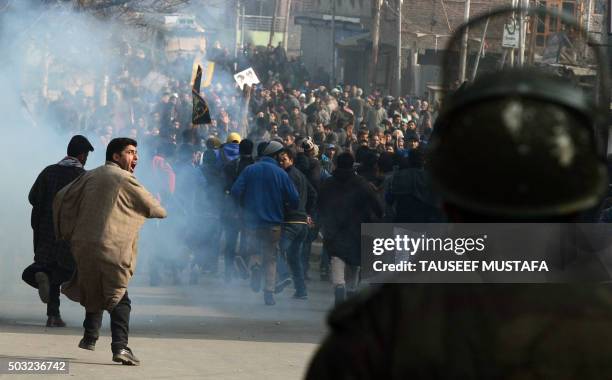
[{"x": 263, "y": 189}]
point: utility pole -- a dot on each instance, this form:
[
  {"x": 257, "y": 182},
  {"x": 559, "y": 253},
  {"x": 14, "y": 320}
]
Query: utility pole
[
  {"x": 588, "y": 25},
  {"x": 398, "y": 87},
  {"x": 375, "y": 37},
  {"x": 237, "y": 29},
  {"x": 464, "y": 43},
  {"x": 605, "y": 38},
  {"x": 480, "y": 50},
  {"x": 286, "y": 34},
  {"x": 242, "y": 14},
  {"x": 514, "y": 25},
  {"x": 333, "y": 43},
  {"x": 522, "y": 32},
  {"x": 272, "y": 23}
]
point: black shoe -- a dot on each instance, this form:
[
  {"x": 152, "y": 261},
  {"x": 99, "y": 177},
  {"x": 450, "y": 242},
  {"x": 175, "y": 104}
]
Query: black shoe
[
  {"x": 339, "y": 294},
  {"x": 269, "y": 298},
  {"x": 55, "y": 322},
  {"x": 125, "y": 356},
  {"x": 256, "y": 278},
  {"x": 300, "y": 296},
  {"x": 43, "y": 286},
  {"x": 281, "y": 285},
  {"x": 88, "y": 344},
  {"x": 241, "y": 267}
]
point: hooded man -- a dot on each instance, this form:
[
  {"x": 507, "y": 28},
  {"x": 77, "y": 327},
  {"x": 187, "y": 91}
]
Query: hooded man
[
  {"x": 409, "y": 192},
  {"x": 231, "y": 212},
  {"x": 53, "y": 263},
  {"x": 345, "y": 201},
  {"x": 263, "y": 189},
  {"x": 229, "y": 151},
  {"x": 101, "y": 214}
]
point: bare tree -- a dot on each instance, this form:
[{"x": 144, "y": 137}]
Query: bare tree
[{"x": 132, "y": 12}]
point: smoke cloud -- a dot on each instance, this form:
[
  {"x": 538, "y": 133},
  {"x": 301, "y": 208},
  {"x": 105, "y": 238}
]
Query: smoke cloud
[
  {"x": 56, "y": 52},
  {"x": 47, "y": 51}
]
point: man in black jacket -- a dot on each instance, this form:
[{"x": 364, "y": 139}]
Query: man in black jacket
[
  {"x": 295, "y": 227},
  {"x": 53, "y": 262},
  {"x": 345, "y": 201},
  {"x": 410, "y": 193}
]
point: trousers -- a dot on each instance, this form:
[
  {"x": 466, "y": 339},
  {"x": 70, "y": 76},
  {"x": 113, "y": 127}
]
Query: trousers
[
  {"x": 263, "y": 246},
  {"x": 343, "y": 274},
  {"x": 292, "y": 240},
  {"x": 57, "y": 275},
  {"x": 120, "y": 323}
]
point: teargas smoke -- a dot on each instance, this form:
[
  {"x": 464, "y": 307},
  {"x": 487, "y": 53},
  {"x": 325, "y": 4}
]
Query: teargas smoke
[
  {"x": 46, "y": 53},
  {"x": 55, "y": 60}
]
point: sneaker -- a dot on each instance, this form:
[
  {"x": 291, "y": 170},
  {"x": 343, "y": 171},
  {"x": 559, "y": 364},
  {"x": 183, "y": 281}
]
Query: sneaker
[
  {"x": 88, "y": 344},
  {"x": 300, "y": 296},
  {"x": 241, "y": 267},
  {"x": 269, "y": 298},
  {"x": 55, "y": 321},
  {"x": 281, "y": 285},
  {"x": 256, "y": 278},
  {"x": 43, "y": 286},
  {"x": 125, "y": 356}
]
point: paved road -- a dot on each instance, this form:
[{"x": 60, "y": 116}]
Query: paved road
[{"x": 205, "y": 331}]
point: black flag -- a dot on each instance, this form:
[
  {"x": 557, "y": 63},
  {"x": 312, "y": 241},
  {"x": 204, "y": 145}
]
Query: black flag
[{"x": 201, "y": 113}]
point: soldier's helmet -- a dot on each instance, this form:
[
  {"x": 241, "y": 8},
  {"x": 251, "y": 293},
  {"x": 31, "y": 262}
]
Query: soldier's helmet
[{"x": 520, "y": 141}]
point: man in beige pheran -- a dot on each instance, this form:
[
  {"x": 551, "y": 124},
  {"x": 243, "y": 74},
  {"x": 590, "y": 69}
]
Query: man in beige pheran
[{"x": 100, "y": 213}]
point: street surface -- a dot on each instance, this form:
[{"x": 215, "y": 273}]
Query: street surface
[{"x": 204, "y": 331}]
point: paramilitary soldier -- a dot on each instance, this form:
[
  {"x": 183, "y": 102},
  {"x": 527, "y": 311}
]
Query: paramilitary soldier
[{"x": 533, "y": 158}]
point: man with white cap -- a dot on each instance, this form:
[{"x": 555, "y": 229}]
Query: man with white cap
[{"x": 263, "y": 189}]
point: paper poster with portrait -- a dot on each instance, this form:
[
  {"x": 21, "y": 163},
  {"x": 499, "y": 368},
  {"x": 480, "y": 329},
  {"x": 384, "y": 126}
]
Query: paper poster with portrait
[{"x": 247, "y": 77}]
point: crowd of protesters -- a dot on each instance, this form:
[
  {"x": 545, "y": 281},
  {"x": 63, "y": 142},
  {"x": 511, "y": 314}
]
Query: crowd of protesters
[{"x": 281, "y": 165}]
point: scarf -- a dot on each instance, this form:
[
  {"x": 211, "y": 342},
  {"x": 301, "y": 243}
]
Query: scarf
[{"x": 70, "y": 161}]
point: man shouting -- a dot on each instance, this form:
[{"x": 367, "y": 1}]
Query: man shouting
[{"x": 101, "y": 213}]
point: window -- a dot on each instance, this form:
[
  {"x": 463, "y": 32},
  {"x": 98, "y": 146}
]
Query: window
[{"x": 600, "y": 7}]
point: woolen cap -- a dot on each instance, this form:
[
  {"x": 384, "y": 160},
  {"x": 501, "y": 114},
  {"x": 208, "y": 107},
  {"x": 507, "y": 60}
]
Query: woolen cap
[{"x": 273, "y": 148}]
